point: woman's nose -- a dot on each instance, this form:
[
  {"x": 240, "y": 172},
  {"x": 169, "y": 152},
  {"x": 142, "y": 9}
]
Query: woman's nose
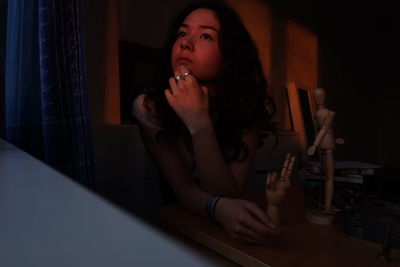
[{"x": 187, "y": 43}]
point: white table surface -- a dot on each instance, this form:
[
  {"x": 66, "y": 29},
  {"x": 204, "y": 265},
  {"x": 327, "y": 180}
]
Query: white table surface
[{"x": 46, "y": 219}]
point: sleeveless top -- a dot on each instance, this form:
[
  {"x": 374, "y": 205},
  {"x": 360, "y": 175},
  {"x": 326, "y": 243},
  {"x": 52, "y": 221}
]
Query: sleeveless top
[{"x": 148, "y": 118}]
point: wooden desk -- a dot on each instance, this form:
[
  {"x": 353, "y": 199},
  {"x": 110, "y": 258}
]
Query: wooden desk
[{"x": 302, "y": 244}]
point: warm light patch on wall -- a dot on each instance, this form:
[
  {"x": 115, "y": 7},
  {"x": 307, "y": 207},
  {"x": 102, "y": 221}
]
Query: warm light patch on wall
[
  {"x": 111, "y": 93},
  {"x": 302, "y": 56},
  {"x": 302, "y": 72},
  {"x": 256, "y": 16},
  {"x": 288, "y": 52}
]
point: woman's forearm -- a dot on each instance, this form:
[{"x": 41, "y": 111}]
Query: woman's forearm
[
  {"x": 193, "y": 198},
  {"x": 214, "y": 175}
]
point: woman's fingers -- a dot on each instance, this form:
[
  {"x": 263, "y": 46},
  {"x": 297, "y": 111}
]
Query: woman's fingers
[
  {"x": 169, "y": 96},
  {"x": 204, "y": 89},
  {"x": 253, "y": 226},
  {"x": 245, "y": 221},
  {"x": 179, "y": 80},
  {"x": 185, "y": 80},
  {"x": 247, "y": 235},
  {"x": 173, "y": 86},
  {"x": 183, "y": 74},
  {"x": 260, "y": 215}
]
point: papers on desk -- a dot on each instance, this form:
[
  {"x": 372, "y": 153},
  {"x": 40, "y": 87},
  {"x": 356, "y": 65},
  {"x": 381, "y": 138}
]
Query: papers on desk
[
  {"x": 354, "y": 180},
  {"x": 344, "y": 171},
  {"x": 351, "y": 169},
  {"x": 348, "y": 165}
]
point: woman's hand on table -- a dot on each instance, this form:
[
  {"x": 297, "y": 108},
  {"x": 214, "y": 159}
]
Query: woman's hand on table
[{"x": 244, "y": 221}]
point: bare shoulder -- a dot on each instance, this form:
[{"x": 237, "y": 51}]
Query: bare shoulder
[
  {"x": 142, "y": 104},
  {"x": 144, "y": 111}
]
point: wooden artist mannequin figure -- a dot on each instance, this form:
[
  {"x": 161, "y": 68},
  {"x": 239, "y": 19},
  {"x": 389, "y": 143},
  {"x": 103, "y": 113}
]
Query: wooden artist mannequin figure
[
  {"x": 325, "y": 141},
  {"x": 276, "y": 189}
]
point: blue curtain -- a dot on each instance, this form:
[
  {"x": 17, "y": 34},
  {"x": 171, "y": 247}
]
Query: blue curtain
[{"x": 46, "y": 90}]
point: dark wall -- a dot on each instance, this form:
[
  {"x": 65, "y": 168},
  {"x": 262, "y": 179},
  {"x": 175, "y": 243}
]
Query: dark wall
[
  {"x": 357, "y": 57},
  {"x": 357, "y": 60}
]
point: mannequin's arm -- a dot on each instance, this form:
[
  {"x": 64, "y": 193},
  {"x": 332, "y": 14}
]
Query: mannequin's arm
[{"x": 321, "y": 133}]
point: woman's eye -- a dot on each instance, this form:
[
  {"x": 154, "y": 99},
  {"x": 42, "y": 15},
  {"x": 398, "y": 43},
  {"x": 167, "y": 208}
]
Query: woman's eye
[
  {"x": 206, "y": 36},
  {"x": 181, "y": 34}
]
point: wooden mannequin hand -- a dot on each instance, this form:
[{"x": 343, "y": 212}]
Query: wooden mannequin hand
[
  {"x": 311, "y": 150},
  {"x": 244, "y": 221},
  {"x": 339, "y": 141},
  {"x": 189, "y": 100},
  {"x": 276, "y": 188}
]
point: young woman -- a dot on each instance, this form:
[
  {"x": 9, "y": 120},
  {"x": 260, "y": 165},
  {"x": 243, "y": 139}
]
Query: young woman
[{"x": 201, "y": 123}]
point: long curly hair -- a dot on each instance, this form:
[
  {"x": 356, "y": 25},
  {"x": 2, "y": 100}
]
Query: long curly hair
[{"x": 241, "y": 101}]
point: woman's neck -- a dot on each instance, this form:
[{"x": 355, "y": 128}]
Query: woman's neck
[{"x": 212, "y": 88}]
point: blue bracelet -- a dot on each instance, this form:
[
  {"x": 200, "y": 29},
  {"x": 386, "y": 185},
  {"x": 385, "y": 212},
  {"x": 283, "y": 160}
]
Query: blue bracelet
[
  {"x": 209, "y": 202},
  {"x": 210, "y": 206},
  {"x": 213, "y": 207}
]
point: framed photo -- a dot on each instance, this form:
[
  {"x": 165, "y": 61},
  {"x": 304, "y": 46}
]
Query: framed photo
[{"x": 301, "y": 112}]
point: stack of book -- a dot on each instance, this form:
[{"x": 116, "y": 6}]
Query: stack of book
[
  {"x": 371, "y": 223},
  {"x": 344, "y": 171}
]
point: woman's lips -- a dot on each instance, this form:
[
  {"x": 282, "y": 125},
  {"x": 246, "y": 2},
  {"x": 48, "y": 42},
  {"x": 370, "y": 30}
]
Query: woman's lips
[{"x": 183, "y": 60}]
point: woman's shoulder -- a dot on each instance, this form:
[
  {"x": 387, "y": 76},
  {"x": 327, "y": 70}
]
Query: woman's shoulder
[{"x": 144, "y": 111}]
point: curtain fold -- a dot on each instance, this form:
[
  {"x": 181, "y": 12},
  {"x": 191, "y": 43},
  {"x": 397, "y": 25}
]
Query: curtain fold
[{"x": 47, "y": 110}]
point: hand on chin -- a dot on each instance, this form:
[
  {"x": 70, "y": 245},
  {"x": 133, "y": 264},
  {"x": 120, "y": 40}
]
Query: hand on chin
[{"x": 188, "y": 98}]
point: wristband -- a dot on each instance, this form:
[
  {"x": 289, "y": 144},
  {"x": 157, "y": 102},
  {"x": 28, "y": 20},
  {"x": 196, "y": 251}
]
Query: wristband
[
  {"x": 214, "y": 205},
  {"x": 210, "y": 206}
]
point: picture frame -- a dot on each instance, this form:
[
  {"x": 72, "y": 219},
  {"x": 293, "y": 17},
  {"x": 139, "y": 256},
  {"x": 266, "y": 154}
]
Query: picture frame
[{"x": 301, "y": 108}]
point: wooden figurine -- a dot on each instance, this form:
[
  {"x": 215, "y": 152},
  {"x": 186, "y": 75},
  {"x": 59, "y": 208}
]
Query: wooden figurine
[
  {"x": 325, "y": 141},
  {"x": 276, "y": 188}
]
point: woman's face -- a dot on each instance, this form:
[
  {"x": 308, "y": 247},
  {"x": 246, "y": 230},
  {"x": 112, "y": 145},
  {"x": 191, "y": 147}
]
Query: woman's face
[{"x": 197, "y": 45}]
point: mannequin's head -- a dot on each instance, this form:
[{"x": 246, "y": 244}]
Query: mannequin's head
[{"x": 319, "y": 96}]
